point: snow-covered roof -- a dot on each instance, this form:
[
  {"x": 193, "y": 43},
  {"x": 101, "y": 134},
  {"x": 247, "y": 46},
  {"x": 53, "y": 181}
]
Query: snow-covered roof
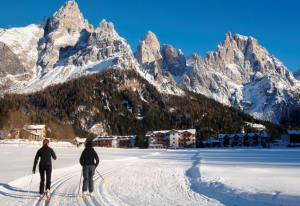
[
  {"x": 294, "y": 132},
  {"x": 80, "y": 140},
  {"x": 260, "y": 134},
  {"x": 34, "y": 133},
  {"x": 149, "y": 133},
  {"x": 114, "y": 138},
  {"x": 211, "y": 141},
  {"x": 36, "y": 126}
]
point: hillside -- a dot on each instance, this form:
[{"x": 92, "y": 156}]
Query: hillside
[{"x": 121, "y": 102}]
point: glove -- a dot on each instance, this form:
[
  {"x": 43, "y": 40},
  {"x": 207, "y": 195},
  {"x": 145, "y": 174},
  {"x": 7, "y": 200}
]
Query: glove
[{"x": 33, "y": 171}]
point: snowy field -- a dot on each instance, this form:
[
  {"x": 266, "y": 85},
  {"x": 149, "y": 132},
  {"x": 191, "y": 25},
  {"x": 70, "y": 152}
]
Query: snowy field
[{"x": 245, "y": 176}]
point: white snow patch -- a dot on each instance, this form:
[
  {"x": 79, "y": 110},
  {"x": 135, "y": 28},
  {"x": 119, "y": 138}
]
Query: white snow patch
[{"x": 159, "y": 177}]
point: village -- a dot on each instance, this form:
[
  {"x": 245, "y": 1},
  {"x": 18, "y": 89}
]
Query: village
[{"x": 163, "y": 139}]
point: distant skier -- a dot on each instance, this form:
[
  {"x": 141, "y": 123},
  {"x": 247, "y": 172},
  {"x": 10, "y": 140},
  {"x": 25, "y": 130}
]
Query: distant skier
[
  {"x": 45, "y": 165},
  {"x": 87, "y": 161}
]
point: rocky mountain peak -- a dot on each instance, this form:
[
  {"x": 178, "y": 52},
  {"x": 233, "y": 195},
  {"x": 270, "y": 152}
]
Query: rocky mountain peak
[
  {"x": 149, "y": 55},
  {"x": 148, "y": 49},
  {"x": 192, "y": 59},
  {"x": 67, "y": 18},
  {"x": 151, "y": 40},
  {"x": 65, "y": 28},
  {"x": 175, "y": 60},
  {"x": 106, "y": 26}
]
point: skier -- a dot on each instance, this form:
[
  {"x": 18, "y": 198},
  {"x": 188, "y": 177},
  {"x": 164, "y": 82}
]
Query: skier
[
  {"x": 87, "y": 161},
  {"x": 45, "y": 165}
]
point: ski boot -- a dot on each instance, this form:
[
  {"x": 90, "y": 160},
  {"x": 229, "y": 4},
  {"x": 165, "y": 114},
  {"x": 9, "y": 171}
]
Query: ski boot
[
  {"x": 41, "y": 196},
  {"x": 48, "y": 193},
  {"x": 84, "y": 196},
  {"x": 92, "y": 195}
]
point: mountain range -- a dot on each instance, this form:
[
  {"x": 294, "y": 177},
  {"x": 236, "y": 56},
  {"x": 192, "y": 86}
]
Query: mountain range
[{"x": 241, "y": 73}]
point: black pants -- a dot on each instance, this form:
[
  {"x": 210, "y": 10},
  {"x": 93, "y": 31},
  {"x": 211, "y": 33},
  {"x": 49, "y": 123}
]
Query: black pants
[
  {"x": 88, "y": 173},
  {"x": 42, "y": 170}
]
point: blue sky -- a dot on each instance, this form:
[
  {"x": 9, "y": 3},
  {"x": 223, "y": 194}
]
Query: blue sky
[{"x": 190, "y": 25}]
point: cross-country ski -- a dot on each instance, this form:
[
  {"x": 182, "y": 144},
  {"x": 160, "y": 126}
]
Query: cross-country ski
[{"x": 47, "y": 200}]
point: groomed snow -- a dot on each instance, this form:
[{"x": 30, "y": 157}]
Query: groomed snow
[{"x": 245, "y": 176}]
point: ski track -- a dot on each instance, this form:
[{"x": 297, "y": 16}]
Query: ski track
[{"x": 125, "y": 185}]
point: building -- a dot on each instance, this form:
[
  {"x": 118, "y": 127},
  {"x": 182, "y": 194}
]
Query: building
[
  {"x": 243, "y": 139},
  {"x": 79, "y": 141},
  {"x": 292, "y": 137},
  {"x": 172, "y": 138},
  {"x": 36, "y": 132},
  {"x": 115, "y": 141}
]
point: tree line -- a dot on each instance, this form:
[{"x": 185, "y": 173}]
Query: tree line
[{"x": 125, "y": 104}]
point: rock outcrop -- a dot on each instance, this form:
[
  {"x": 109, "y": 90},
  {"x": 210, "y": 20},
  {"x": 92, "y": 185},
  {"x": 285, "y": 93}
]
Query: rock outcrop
[
  {"x": 64, "y": 29},
  {"x": 175, "y": 61},
  {"x": 297, "y": 74},
  {"x": 9, "y": 62},
  {"x": 149, "y": 56}
]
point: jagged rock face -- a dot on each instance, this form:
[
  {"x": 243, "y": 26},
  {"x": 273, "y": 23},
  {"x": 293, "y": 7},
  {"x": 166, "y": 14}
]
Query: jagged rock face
[
  {"x": 153, "y": 65},
  {"x": 297, "y": 74},
  {"x": 64, "y": 29},
  {"x": 22, "y": 42},
  {"x": 95, "y": 46},
  {"x": 72, "y": 41},
  {"x": 175, "y": 60},
  {"x": 244, "y": 75},
  {"x": 67, "y": 19},
  {"x": 9, "y": 62},
  {"x": 149, "y": 55},
  {"x": 241, "y": 73},
  {"x": 149, "y": 49}
]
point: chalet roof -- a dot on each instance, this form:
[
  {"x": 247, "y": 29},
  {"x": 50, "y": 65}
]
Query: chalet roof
[
  {"x": 211, "y": 141},
  {"x": 114, "y": 137},
  {"x": 192, "y": 131},
  {"x": 34, "y": 133},
  {"x": 36, "y": 126},
  {"x": 173, "y": 130},
  {"x": 260, "y": 134}
]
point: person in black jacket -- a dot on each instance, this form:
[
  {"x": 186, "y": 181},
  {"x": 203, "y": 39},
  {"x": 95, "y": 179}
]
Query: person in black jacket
[
  {"x": 87, "y": 161},
  {"x": 45, "y": 165}
]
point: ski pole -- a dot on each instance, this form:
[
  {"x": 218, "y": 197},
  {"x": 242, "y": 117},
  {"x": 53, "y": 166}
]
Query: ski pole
[
  {"x": 101, "y": 176},
  {"x": 29, "y": 187},
  {"x": 79, "y": 183}
]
